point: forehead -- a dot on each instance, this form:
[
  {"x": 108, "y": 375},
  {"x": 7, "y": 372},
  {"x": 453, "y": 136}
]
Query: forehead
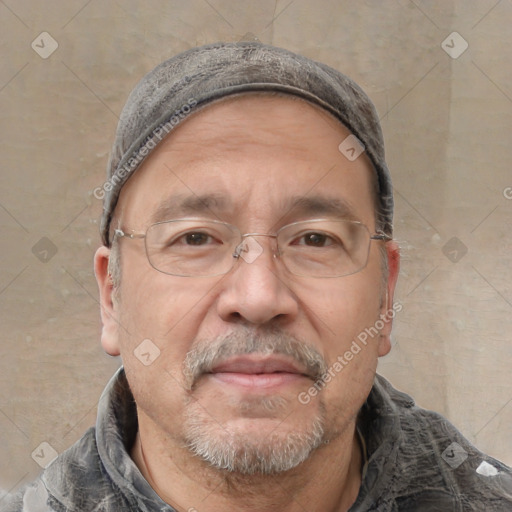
[
  {"x": 258, "y": 151},
  {"x": 270, "y": 118}
]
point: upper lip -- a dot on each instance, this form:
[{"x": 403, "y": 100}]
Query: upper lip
[{"x": 258, "y": 364}]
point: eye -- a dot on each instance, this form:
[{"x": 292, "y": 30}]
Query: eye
[
  {"x": 195, "y": 238},
  {"x": 314, "y": 239},
  {"x": 189, "y": 239}
]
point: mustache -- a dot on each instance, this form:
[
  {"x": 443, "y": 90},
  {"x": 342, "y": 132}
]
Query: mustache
[{"x": 208, "y": 353}]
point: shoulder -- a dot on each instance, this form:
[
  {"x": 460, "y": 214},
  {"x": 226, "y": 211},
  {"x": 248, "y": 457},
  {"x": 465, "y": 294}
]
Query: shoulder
[
  {"x": 75, "y": 481},
  {"x": 435, "y": 461}
]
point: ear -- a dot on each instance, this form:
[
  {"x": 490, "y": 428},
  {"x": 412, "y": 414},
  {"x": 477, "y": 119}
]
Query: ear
[
  {"x": 109, "y": 312},
  {"x": 389, "y": 309}
]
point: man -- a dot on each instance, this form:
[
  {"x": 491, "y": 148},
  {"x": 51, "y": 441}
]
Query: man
[{"x": 246, "y": 280}]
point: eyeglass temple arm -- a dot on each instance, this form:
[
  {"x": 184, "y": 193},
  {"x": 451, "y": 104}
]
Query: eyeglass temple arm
[
  {"x": 120, "y": 233},
  {"x": 381, "y": 236}
]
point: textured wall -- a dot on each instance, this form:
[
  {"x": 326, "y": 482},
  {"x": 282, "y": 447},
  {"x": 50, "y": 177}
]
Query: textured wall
[{"x": 447, "y": 120}]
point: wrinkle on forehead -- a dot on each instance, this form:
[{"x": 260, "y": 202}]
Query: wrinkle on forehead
[
  {"x": 204, "y": 123},
  {"x": 206, "y": 142},
  {"x": 217, "y": 205}
]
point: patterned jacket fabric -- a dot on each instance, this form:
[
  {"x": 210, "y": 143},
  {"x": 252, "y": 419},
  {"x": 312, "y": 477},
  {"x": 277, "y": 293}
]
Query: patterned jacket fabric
[{"x": 417, "y": 462}]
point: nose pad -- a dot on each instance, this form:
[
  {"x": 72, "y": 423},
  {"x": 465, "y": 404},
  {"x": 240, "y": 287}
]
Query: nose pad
[
  {"x": 254, "y": 293},
  {"x": 249, "y": 249}
]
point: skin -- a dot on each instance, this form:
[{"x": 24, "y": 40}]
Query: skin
[{"x": 256, "y": 152}]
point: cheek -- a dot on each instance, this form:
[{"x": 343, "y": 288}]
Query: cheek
[
  {"x": 341, "y": 308},
  {"x": 345, "y": 313},
  {"x": 160, "y": 314},
  {"x": 152, "y": 302},
  {"x": 350, "y": 346}
]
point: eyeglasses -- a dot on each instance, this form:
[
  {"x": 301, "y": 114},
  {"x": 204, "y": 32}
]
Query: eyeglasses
[{"x": 206, "y": 248}]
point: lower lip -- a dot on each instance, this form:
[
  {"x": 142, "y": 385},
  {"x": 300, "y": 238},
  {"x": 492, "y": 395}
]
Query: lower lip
[{"x": 258, "y": 380}]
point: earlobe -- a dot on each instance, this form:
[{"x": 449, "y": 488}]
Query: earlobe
[{"x": 110, "y": 330}]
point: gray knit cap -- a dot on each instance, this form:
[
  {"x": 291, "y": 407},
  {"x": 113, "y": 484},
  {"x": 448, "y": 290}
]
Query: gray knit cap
[{"x": 188, "y": 81}]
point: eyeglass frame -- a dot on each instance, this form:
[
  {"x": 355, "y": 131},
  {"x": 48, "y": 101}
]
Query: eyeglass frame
[{"x": 379, "y": 236}]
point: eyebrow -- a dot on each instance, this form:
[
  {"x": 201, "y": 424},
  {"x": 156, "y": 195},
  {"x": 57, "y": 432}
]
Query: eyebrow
[
  {"x": 180, "y": 205},
  {"x": 320, "y": 205}
]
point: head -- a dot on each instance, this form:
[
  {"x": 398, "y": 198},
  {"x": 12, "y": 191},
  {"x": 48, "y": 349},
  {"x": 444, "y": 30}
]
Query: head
[{"x": 254, "y": 369}]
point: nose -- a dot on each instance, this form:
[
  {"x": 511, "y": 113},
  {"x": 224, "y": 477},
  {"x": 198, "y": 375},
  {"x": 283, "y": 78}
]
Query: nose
[{"x": 256, "y": 290}]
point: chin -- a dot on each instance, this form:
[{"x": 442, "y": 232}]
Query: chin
[{"x": 254, "y": 442}]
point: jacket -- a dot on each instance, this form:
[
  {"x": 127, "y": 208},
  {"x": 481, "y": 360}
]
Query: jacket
[{"x": 417, "y": 461}]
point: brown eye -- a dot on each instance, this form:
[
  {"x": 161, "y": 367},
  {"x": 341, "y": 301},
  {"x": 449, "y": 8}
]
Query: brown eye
[
  {"x": 196, "y": 238},
  {"x": 316, "y": 239}
]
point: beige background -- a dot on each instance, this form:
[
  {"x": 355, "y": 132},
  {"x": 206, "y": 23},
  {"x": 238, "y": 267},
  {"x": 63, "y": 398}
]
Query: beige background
[{"x": 447, "y": 123}]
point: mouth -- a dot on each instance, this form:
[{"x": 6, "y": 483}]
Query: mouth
[{"x": 258, "y": 372}]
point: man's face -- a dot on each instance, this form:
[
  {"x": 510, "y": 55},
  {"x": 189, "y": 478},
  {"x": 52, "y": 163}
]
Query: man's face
[{"x": 257, "y": 163}]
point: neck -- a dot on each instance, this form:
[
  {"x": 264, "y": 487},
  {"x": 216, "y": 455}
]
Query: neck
[{"x": 328, "y": 481}]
